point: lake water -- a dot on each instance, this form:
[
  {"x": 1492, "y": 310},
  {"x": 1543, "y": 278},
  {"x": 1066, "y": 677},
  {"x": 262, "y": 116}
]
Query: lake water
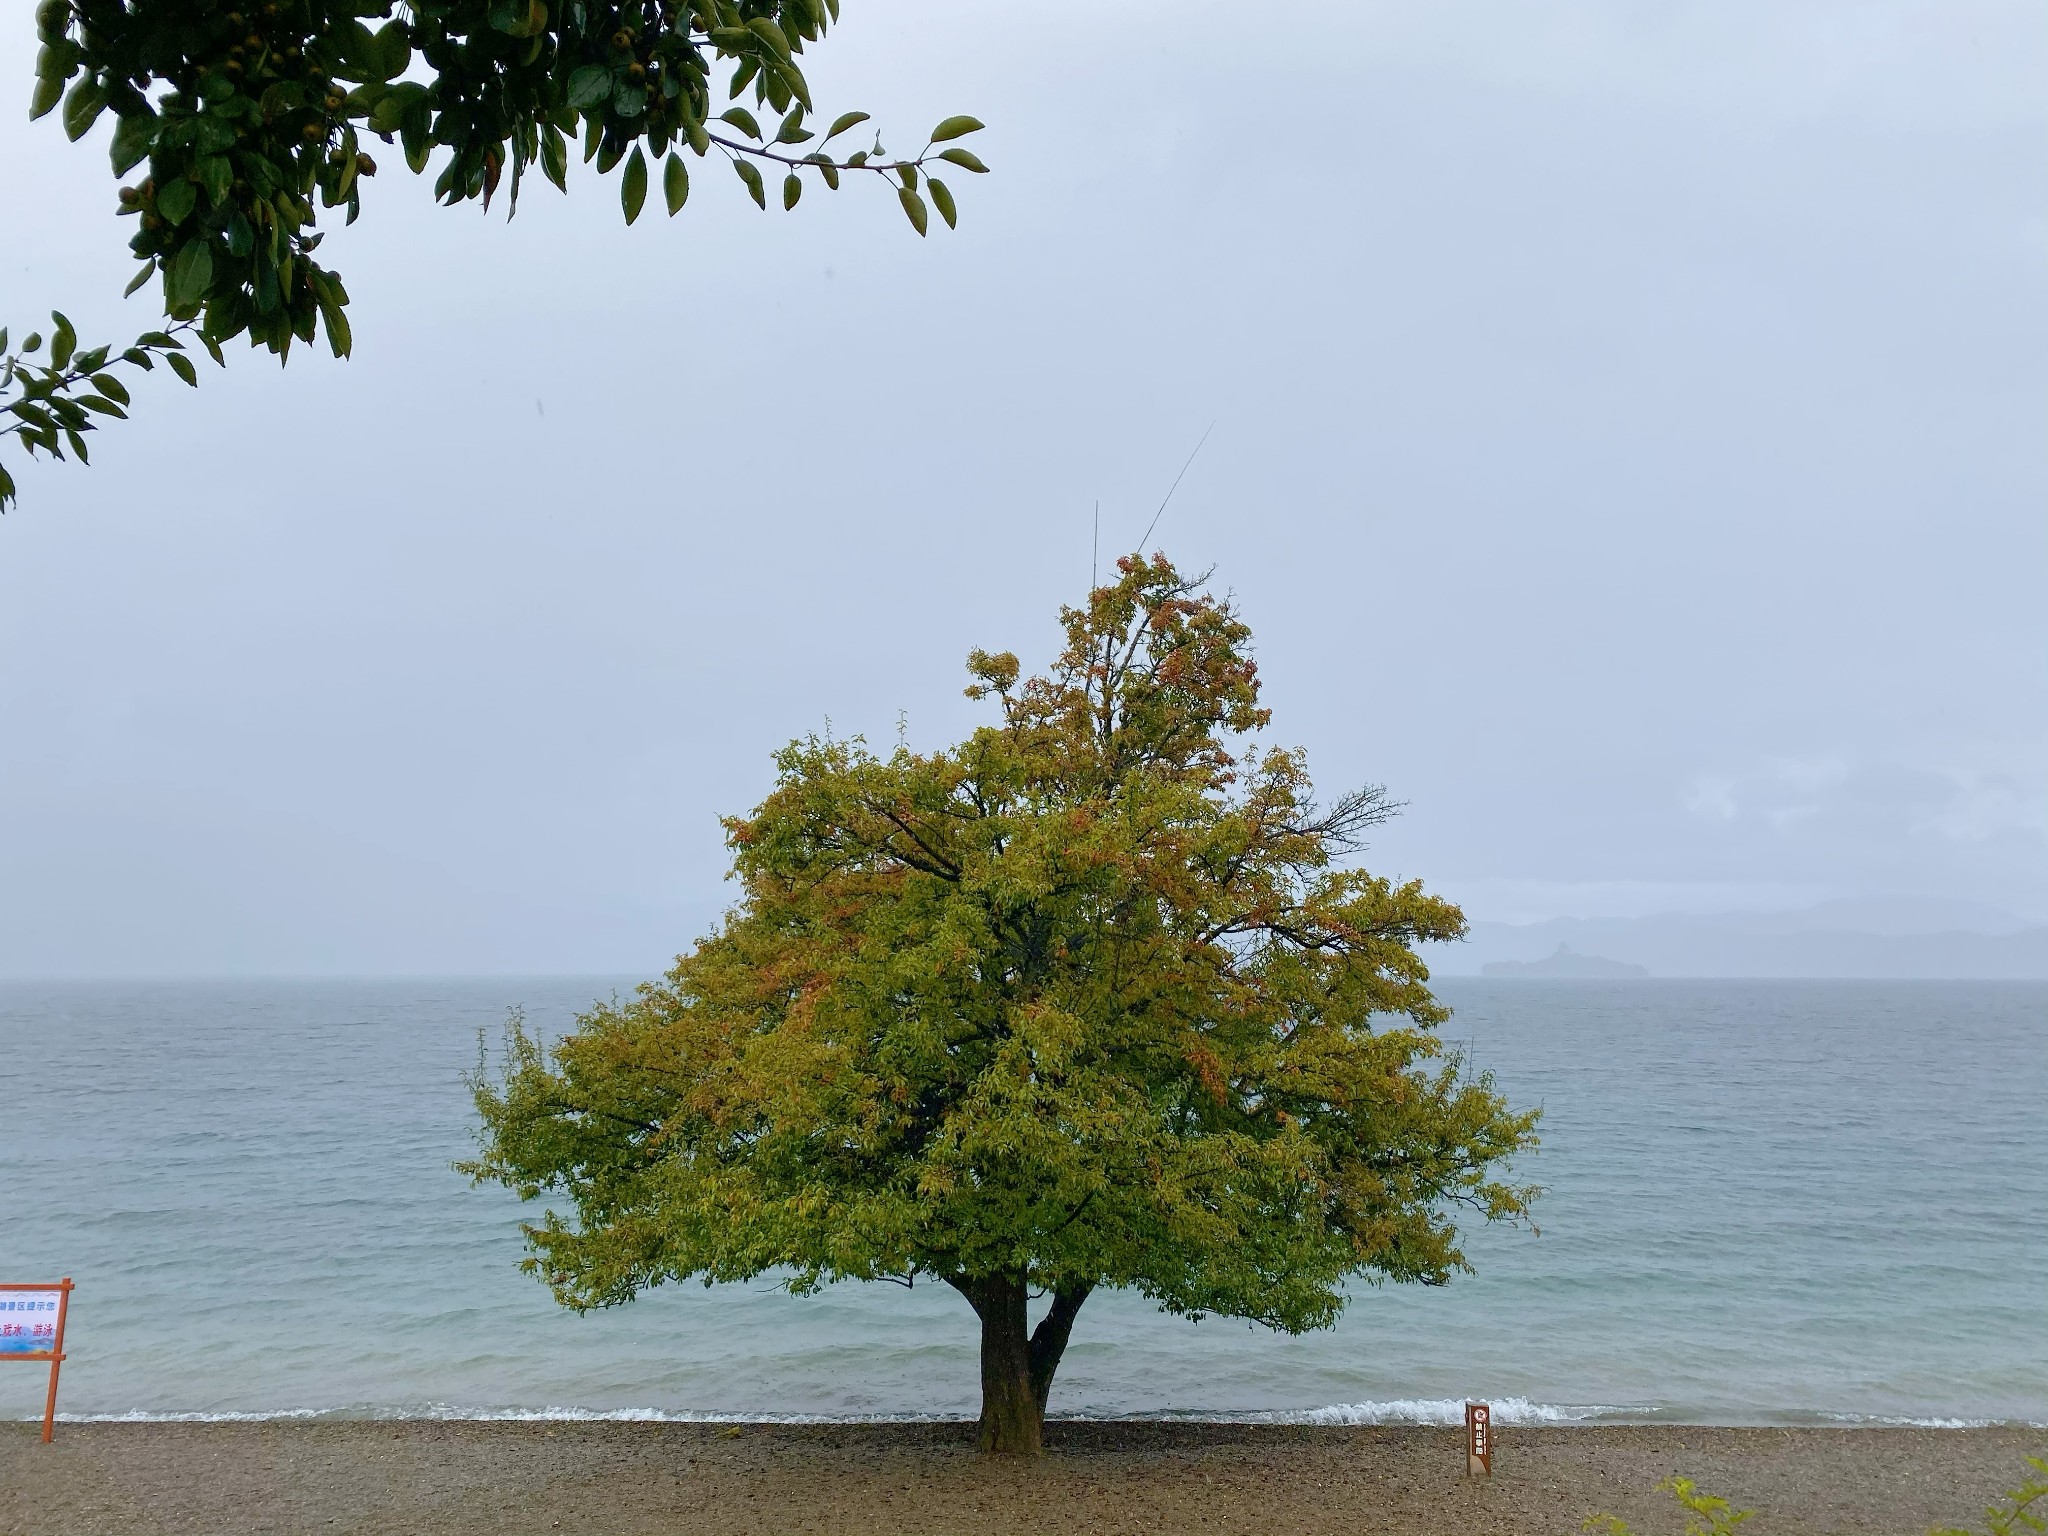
[{"x": 1769, "y": 1202}]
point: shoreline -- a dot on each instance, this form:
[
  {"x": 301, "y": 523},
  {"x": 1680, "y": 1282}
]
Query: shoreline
[
  {"x": 1506, "y": 1414},
  {"x": 446, "y": 1477}
]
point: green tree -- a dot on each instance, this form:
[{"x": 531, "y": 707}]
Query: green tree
[
  {"x": 245, "y": 114},
  {"x": 1085, "y": 1001}
]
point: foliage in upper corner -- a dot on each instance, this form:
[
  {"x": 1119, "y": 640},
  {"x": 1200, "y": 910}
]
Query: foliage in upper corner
[
  {"x": 246, "y": 111},
  {"x": 51, "y": 405}
]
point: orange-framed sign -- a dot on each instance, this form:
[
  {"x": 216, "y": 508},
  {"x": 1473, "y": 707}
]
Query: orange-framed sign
[{"x": 32, "y": 1328}]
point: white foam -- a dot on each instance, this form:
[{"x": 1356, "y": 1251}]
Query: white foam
[
  {"x": 1507, "y": 1411},
  {"x": 1450, "y": 1410},
  {"x": 1893, "y": 1421},
  {"x": 1400, "y": 1410}
]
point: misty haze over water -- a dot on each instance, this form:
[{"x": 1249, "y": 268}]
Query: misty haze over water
[{"x": 1870, "y": 939}]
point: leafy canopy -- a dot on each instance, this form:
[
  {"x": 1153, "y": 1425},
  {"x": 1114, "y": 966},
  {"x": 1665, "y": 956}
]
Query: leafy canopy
[
  {"x": 1087, "y": 999},
  {"x": 249, "y": 116}
]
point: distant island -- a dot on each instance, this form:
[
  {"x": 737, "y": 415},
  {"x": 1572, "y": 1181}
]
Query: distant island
[
  {"x": 1891, "y": 937},
  {"x": 1564, "y": 961}
]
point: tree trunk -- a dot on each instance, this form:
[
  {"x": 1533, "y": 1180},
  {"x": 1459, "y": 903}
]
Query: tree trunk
[
  {"x": 1017, "y": 1363},
  {"x": 1012, "y": 1423}
]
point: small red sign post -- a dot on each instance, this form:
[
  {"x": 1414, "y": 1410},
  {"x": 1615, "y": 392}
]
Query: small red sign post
[
  {"x": 32, "y": 1328},
  {"x": 1478, "y": 1440}
]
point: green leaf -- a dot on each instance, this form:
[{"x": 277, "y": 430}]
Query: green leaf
[
  {"x": 390, "y": 51},
  {"x": 743, "y": 120},
  {"x": 132, "y": 137},
  {"x": 770, "y": 34},
  {"x": 792, "y": 130},
  {"x": 135, "y": 282},
  {"x": 77, "y": 444},
  {"x": 388, "y": 116},
  {"x": 57, "y": 59},
  {"x": 554, "y": 156},
  {"x": 628, "y": 99},
  {"x": 844, "y": 121},
  {"x": 63, "y": 341},
  {"x": 633, "y": 189},
  {"x": 111, "y": 387},
  {"x": 675, "y": 183},
  {"x": 217, "y": 176},
  {"x": 191, "y": 274},
  {"x": 48, "y": 92},
  {"x": 212, "y": 136},
  {"x": 752, "y": 178},
  {"x": 794, "y": 87},
  {"x": 174, "y": 200},
  {"x": 942, "y": 199},
  {"x": 913, "y": 205},
  {"x": 519, "y": 18},
  {"x": 956, "y": 128},
  {"x": 339, "y": 338},
  {"x": 35, "y": 340},
  {"x": 82, "y": 108},
  {"x": 966, "y": 159},
  {"x": 103, "y": 405},
  {"x": 181, "y": 365},
  {"x": 792, "y": 189},
  {"x": 589, "y": 85}
]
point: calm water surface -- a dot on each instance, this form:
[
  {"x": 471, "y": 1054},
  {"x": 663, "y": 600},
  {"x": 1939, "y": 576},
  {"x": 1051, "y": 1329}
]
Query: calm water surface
[{"x": 1768, "y": 1202}]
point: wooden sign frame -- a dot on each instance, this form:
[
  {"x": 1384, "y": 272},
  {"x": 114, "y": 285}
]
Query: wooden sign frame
[
  {"x": 1478, "y": 1440},
  {"x": 54, "y": 1355}
]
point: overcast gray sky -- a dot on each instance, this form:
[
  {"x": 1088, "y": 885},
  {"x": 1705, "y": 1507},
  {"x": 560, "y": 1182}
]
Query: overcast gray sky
[{"x": 1628, "y": 448}]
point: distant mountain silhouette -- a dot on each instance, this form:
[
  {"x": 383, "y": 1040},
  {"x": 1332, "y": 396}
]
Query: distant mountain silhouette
[
  {"x": 1564, "y": 962},
  {"x": 1892, "y": 938}
]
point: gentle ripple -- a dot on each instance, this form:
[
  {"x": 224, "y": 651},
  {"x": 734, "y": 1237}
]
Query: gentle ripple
[{"x": 1768, "y": 1202}]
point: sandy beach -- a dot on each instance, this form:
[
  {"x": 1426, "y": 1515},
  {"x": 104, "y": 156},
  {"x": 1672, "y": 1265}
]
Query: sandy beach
[{"x": 453, "y": 1479}]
